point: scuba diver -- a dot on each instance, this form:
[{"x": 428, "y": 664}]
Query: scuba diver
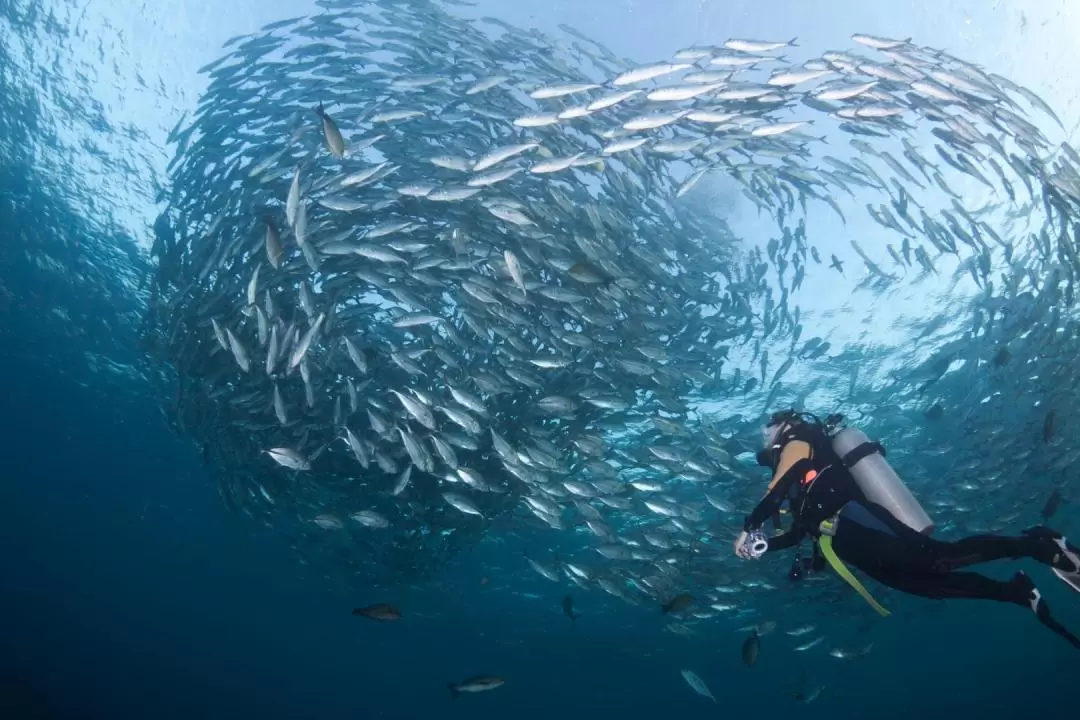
[{"x": 844, "y": 495}]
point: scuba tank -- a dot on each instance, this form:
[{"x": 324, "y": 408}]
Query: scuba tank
[{"x": 878, "y": 481}]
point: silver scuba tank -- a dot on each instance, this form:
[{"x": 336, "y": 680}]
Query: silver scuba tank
[{"x": 878, "y": 481}]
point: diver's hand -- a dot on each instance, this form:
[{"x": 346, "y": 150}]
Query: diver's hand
[{"x": 740, "y": 545}]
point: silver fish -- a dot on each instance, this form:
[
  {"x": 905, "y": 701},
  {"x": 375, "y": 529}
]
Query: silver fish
[
  {"x": 461, "y": 503},
  {"x": 697, "y": 684},
  {"x": 289, "y": 458},
  {"x": 648, "y": 72}
]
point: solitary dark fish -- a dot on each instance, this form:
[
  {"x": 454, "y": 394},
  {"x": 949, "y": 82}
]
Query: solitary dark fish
[
  {"x": 568, "y": 608},
  {"x": 1048, "y": 426},
  {"x": 379, "y": 611},
  {"x": 750, "y": 648},
  {"x": 936, "y": 412},
  {"x": 1052, "y": 505},
  {"x": 678, "y": 603},
  {"x": 1003, "y": 356},
  {"x": 479, "y": 683}
]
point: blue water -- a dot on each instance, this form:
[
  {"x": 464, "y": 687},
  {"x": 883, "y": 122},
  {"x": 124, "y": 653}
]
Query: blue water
[{"x": 130, "y": 590}]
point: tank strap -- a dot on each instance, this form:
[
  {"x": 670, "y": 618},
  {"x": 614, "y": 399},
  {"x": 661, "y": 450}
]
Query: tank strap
[
  {"x": 828, "y": 529},
  {"x": 861, "y": 451}
]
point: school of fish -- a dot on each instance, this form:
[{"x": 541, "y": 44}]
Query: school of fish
[{"x": 424, "y": 278}]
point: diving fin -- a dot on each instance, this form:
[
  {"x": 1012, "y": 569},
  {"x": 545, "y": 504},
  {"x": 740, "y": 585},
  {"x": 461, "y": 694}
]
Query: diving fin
[
  {"x": 1062, "y": 557},
  {"x": 1071, "y": 555},
  {"x": 1070, "y": 579}
]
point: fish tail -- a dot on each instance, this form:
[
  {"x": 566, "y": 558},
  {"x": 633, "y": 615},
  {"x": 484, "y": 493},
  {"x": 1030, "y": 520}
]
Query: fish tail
[{"x": 453, "y": 691}]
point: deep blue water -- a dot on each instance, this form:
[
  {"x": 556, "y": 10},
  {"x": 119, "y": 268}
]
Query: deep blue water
[{"x": 129, "y": 591}]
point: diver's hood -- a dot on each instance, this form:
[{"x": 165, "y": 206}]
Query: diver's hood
[{"x": 769, "y": 434}]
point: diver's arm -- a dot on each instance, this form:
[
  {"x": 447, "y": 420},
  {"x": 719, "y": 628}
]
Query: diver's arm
[
  {"x": 794, "y": 464},
  {"x": 782, "y": 541}
]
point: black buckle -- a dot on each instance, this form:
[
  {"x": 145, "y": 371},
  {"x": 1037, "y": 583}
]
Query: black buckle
[{"x": 861, "y": 451}]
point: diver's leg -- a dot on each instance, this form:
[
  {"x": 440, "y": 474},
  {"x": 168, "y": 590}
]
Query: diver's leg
[
  {"x": 1041, "y": 544},
  {"x": 956, "y": 585},
  {"x": 870, "y": 531},
  {"x": 899, "y": 562},
  {"x": 943, "y": 556},
  {"x": 951, "y": 585}
]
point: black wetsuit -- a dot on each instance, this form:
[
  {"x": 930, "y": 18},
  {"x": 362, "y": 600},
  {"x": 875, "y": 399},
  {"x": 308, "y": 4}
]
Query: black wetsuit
[{"x": 869, "y": 538}]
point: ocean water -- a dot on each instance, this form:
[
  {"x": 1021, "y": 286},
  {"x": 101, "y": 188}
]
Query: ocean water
[{"x": 132, "y": 588}]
